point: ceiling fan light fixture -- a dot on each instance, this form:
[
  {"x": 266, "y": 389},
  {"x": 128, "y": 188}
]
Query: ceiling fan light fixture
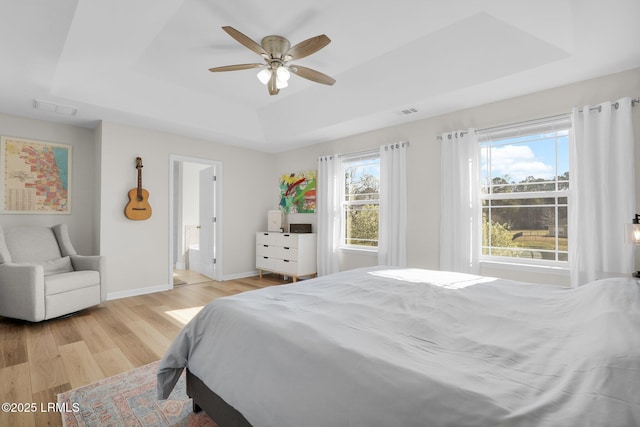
[
  {"x": 281, "y": 84},
  {"x": 264, "y": 76},
  {"x": 283, "y": 73}
]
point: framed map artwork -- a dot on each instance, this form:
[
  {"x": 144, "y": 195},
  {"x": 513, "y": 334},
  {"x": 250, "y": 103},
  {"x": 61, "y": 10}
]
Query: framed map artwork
[{"x": 36, "y": 177}]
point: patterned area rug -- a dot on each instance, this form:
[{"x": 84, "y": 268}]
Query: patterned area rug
[{"x": 129, "y": 399}]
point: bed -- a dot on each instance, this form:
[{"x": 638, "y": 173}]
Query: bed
[{"x": 409, "y": 347}]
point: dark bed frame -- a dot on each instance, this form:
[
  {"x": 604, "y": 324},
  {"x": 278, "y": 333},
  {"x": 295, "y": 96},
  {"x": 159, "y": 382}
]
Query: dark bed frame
[{"x": 220, "y": 411}]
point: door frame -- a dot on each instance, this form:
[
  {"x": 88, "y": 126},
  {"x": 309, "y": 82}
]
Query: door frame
[{"x": 217, "y": 205}]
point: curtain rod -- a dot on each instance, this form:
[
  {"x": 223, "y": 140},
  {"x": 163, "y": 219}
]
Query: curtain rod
[
  {"x": 541, "y": 119},
  {"x": 361, "y": 153},
  {"x": 370, "y": 151},
  {"x": 355, "y": 153}
]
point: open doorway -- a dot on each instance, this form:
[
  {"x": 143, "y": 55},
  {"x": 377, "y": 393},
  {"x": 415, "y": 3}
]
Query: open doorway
[{"x": 195, "y": 220}]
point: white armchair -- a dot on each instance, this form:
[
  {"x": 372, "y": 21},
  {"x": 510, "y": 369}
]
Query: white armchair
[{"x": 42, "y": 277}]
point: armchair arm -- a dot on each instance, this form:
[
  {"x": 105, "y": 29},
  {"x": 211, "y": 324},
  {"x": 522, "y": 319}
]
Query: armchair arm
[
  {"x": 22, "y": 292},
  {"x": 92, "y": 262}
]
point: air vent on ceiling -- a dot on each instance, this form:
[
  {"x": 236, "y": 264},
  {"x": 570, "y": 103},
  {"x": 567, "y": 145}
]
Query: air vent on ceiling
[
  {"x": 406, "y": 111},
  {"x": 51, "y": 107}
]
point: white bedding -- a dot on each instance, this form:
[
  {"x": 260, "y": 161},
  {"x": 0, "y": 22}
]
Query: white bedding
[{"x": 387, "y": 347}]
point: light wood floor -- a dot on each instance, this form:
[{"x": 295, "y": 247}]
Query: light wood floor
[
  {"x": 188, "y": 277},
  {"x": 40, "y": 360}
]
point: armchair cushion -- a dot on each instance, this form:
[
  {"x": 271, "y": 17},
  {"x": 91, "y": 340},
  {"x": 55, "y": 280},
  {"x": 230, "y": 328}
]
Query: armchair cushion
[
  {"x": 65, "y": 282},
  {"x": 53, "y": 266},
  {"x": 31, "y": 244},
  {"x": 57, "y": 266}
]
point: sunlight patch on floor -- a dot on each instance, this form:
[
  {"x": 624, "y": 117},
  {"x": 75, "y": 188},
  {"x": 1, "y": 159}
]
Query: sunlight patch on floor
[{"x": 184, "y": 315}]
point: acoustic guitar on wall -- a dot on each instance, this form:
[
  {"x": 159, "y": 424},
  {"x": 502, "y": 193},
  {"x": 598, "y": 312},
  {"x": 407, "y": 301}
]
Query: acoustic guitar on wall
[{"x": 138, "y": 207}]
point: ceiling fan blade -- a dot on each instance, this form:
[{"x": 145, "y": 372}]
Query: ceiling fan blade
[
  {"x": 312, "y": 75},
  {"x": 244, "y": 40},
  {"x": 236, "y": 67},
  {"x": 309, "y": 46},
  {"x": 273, "y": 89}
]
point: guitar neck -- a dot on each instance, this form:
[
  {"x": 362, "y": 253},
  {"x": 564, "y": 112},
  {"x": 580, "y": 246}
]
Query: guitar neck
[{"x": 140, "y": 183}]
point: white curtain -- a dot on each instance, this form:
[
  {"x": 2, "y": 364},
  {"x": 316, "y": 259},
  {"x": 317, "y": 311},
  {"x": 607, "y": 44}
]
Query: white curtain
[
  {"x": 392, "y": 232},
  {"x": 602, "y": 191},
  {"x": 329, "y": 217},
  {"x": 460, "y": 217}
]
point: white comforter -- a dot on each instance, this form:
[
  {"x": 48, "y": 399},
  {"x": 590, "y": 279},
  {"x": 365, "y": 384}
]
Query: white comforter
[{"x": 419, "y": 348}]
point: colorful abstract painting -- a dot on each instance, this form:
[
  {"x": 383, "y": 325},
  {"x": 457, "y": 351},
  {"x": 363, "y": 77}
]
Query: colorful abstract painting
[
  {"x": 298, "y": 192},
  {"x": 36, "y": 176}
]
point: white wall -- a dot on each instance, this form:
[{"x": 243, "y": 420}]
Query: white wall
[
  {"x": 423, "y": 165},
  {"x": 138, "y": 251},
  {"x": 81, "y": 219}
]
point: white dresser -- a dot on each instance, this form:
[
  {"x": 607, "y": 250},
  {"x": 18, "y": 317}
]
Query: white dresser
[{"x": 289, "y": 254}]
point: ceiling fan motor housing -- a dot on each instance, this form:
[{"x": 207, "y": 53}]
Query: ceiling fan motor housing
[{"x": 276, "y": 46}]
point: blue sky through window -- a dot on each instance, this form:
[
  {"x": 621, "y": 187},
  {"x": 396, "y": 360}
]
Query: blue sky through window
[{"x": 531, "y": 155}]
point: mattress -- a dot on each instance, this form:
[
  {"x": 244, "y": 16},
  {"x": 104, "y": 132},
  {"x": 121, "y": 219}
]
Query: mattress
[{"x": 410, "y": 347}]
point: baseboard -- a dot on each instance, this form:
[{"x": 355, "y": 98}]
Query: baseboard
[
  {"x": 161, "y": 288},
  {"x": 240, "y": 275},
  {"x": 136, "y": 292}
]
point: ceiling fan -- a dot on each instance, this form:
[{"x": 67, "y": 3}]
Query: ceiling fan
[{"x": 277, "y": 53}]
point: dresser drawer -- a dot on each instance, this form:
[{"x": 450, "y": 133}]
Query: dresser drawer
[
  {"x": 288, "y": 240},
  {"x": 263, "y": 262},
  {"x": 282, "y": 252},
  {"x": 285, "y": 252},
  {"x": 277, "y": 239},
  {"x": 264, "y": 250},
  {"x": 264, "y": 238},
  {"x": 285, "y": 267}
]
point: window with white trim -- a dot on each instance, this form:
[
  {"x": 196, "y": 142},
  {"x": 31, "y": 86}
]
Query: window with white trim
[
  {"x": 525, "y": 192},
  {"x": 360, "y": 201}
]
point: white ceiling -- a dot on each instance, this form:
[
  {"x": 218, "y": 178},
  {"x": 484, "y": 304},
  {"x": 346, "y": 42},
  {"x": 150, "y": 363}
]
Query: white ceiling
[{"x": 145, "y": 62}]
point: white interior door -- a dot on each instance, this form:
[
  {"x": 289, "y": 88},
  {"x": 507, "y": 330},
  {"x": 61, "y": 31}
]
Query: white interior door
[{"x": 207, "y": 263}]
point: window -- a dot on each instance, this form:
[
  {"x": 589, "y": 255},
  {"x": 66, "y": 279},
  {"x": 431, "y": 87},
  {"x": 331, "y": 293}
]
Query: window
[
  {"x": 524, "y": 192},
  {"x": 360, "y": 202}
]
